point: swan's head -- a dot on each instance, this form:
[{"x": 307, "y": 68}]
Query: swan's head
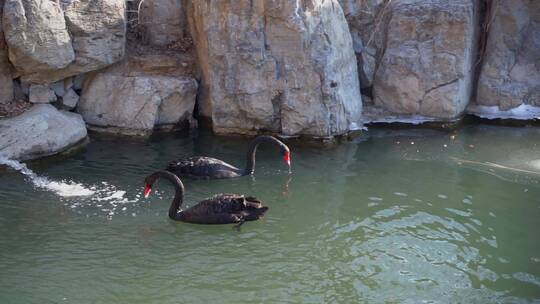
[
  {"x": 287, "y": 157},
  {"x": 148, "y": 182},
  {"x": 152, "y": 178}
]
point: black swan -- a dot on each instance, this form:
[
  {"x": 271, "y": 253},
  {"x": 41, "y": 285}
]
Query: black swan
[
  {"x": 219, "y": 209},
  {"x": 201, "y": 167}
]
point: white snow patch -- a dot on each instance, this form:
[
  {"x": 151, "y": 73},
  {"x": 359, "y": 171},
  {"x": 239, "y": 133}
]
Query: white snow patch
[{"x": 521, "y": 112}]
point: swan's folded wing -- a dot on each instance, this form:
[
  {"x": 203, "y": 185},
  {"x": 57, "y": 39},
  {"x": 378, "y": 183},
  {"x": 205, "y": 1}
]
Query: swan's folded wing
[{"x": 200, "y": 166}]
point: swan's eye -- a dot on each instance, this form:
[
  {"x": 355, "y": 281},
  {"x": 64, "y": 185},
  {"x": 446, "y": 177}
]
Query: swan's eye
[{"x": 147, "y": 190}]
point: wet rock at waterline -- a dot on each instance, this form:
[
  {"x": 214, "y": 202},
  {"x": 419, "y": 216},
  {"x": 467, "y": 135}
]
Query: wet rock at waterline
[
  {"x": 49, "y": 42},
  {"x": 509, "y": 82},
  {"x": 277, "y": 67},
  {"x": 40, "y": 131},
  {"x": 135, "y": 105},
  {"x": 427, "y": 66}
]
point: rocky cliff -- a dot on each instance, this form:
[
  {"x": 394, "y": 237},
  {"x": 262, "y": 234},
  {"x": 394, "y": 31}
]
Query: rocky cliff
[{"x": 316, "y": 68}]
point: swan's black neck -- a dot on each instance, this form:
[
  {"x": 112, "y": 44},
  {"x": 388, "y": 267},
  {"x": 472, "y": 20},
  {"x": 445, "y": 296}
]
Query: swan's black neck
[
  {"x": 179, "y": 191},
  {"x": 252, "y": 150}
]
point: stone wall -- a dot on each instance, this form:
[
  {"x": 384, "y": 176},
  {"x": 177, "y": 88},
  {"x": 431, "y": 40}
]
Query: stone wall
[{"x": 276, "y": 66}]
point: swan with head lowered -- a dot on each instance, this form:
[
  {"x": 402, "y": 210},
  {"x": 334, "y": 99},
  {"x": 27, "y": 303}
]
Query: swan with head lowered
[
  {"x": 219, "y": 209},
  {"x": 202, "y": 167}
]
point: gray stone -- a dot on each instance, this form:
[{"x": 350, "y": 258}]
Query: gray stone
[
  {"x": 58, "y": 88},
  {"x": 43, "y": 51},
  {"x": 6, "y": 83},
  {"x": 427, "y": 65},
  {"x": 163, "y": 21},
  {"x": 78, "y": 81},
  {"x": 510, "y": 74},
  {"x": 276, "y": 66},
  {"x": 70, "y": 99},
  {"x": 40, "y": 131},
  {"x": 37, "y": 36},
  {"x": 41, "y": 94},
  {"x": 134, "y": 105}
]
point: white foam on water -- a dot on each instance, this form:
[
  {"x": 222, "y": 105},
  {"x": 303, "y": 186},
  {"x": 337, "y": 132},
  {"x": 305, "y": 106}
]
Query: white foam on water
[
  {"x": 61, "y": 188},
  {"x": 442, "y": 196},
  {"x": 521, "y": 112},
  {"x": 103, "y": 196},
  {"x": 401, "y": 194}
]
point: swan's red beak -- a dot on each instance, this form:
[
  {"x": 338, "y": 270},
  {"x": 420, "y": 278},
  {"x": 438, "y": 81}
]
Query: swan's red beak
[
  {"x": 147, "y": 189},
  {"x": 287, "y": 158}
]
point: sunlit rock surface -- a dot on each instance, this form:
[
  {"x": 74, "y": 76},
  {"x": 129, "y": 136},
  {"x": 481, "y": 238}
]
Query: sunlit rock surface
[
  {"x": 427, "y": 66},
  {"x": 285, "y": 67},
  {"x": 120, "y": 102},
  {"x": 49, "y": 41},
  {"x": 40, "y": 131},
  {"x": 509, "y": 80},
  {"x": 37, "y": 36}
]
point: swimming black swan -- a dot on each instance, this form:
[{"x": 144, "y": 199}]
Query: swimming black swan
[
  {"x": 201, "y": 167},
  {"x": 219, "y": 209}
]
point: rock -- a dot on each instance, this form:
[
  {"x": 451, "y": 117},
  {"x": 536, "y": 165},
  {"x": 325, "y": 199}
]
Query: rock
[
  {"x": 510, "y": 74},
  {"x": 367, "y": 19},
  {"x": 426, "y": 69},
  {"x": 163, "y": 22},
  {"x": 70, "y": 99},
  {"x": 6, "y": 83},
  {"x": 276, "y": 66},
  {"x": 78, "y": 81},
  {"x": 40, "y": 131},
  {"x": 98, "y": 30},
  {"x": 37, "y": 36},
  {"x": 58, "y": 88},
  {"x": 41, "y": 94},
  {"x": 43, "y": 51},
  {"x": 134, "y": 105}
]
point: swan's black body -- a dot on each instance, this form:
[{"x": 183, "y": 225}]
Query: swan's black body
[
  {"x": 201, "y": 167},
  {"x": 219, "y": 209}
]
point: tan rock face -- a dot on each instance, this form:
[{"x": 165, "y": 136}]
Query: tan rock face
[
  {"x": 279, "y": 66},
  {"x": 48, "y": 42},
  {"x": 128, "y": 98},
  {"x": 510, "y": 75},
  {"x": 6, "y": 84},
  {"x": 426, "y": 68},
  {"x": 163, "y": 21},
  {"x": 37, "y": 36}
]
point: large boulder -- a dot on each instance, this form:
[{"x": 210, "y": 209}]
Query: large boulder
[
  {"x": 509, "y": 82},
  {"x": 135, "y": 105},
  {"x": 40, "y": 131},
  {"x": 50, "y": 41},
  {"x": 429, "y": 53},
  {"x": 37, "y": 36},
  {"x": 163, "y": 22},
  {"x": 276, "y": 66},
  {"x": 6, "y": 83}
]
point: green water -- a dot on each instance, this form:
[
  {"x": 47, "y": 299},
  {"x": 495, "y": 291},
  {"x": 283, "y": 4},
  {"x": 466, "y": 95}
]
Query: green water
[{"x": 396, "y": 216}]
